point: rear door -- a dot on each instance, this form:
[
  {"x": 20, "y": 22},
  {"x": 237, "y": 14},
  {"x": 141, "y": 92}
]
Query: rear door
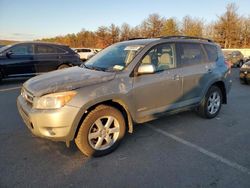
[
  {"x": 20, "y": 61},
  {"x": 193, "y": 60},
  {"x": 46, "y": 57}
]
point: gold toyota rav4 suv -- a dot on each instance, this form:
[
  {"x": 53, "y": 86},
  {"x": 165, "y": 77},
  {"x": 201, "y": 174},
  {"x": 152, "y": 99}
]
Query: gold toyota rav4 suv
[{"x": 129, "y": 82}]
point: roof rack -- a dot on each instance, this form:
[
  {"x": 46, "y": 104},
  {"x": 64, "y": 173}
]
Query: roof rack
[
  {"x": 136, "y": 38},
  {"x": 186, "y": 37}
]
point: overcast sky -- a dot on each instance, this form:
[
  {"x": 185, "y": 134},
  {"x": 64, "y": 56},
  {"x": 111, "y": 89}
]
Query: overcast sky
[{"x": 33, "y": 19}]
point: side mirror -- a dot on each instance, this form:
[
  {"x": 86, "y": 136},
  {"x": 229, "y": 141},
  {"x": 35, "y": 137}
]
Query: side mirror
[
  {"x": 9, "y": 53},
  {"x": 146, "y": 69}
]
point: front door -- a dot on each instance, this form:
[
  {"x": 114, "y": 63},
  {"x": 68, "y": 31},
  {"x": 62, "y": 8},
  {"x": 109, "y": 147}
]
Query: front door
[
  {"x": 160, "y": 91},
  {"x": 20, "y": 60}
]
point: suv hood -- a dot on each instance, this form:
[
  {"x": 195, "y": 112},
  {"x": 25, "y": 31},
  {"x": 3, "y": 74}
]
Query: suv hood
[{"x": 65, "y": 80}]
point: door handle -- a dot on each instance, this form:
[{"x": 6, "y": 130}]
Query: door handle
[
  {"x": 176, "y": 77},
  {"x": 209, "y": 70}
]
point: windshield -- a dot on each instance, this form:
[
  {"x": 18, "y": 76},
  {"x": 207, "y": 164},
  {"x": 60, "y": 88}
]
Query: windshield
[
  {"x": 114, "y": 58},
  {"x": 4, "y": 48}
]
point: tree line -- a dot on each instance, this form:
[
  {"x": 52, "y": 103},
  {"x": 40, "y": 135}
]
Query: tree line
[{"x": 230, "y": 30}]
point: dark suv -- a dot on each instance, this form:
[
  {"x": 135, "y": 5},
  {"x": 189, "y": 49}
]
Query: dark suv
[
  {"x": 129, "y": 82},
  {"x": 31, "y": 58},
  {"x": 235, "y": 58}
]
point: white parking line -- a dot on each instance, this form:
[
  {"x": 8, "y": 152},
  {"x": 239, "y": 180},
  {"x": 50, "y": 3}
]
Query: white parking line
[
  {"x": 201, "y": 150},
  {"x": 9, "y": 89}
]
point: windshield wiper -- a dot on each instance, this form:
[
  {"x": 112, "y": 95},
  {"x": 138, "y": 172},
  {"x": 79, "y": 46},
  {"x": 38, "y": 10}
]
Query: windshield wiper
[{"x": 94, "y": 68}]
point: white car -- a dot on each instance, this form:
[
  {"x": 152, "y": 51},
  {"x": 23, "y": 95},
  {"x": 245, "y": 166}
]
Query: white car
[{"x": 85, "y": 53}]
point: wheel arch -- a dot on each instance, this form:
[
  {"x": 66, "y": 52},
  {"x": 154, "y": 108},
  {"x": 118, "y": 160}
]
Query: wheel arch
[
  {"x": 64, "y": 63},
  {"x": 221, "y": 85},
  {"x": 2, "y": 72},
  {"x": 118, "y": 104}
]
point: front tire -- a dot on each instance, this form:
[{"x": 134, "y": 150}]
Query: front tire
[
  {"x": 211, "y": 104},
  {"x": 101, "y": 131}
]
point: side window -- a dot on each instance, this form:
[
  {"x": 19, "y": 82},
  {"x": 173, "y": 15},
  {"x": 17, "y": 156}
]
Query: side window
[
  {"x": 60, "y": 51},
  {"x": 191, "y": 54},
  {"x": 23, "y": 49},
  {"x": 86, "y": 50},
  {"x": 44, "y": 49},
  {"x": 161, "y": 56},
  {"x": 211, "y": 52}
]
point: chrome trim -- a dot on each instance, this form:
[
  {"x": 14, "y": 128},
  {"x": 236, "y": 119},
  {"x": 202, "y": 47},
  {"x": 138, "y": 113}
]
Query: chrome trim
[{"x": 27, "y": 96}]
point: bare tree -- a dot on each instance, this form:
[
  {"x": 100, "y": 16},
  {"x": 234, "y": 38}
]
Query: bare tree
[
  {"x": 245, "y": 32},
  {"x": 192, "y": 26},
  {"x": 125, "y": 32},
  {"x": 170, "y": 27},
  {"x": 114, "y": 33},
  {"x": 152, "y": 26},
  {"x": 103, "y": 36},
  {"x": 227, "y": 28}
]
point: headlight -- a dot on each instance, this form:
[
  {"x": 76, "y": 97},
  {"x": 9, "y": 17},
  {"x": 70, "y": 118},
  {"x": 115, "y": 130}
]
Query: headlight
[
  {"x": 245, "y": 66},
  {"x": 54, "y": 100}
]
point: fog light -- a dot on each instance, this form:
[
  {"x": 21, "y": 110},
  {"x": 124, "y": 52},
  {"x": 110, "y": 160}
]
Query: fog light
[{"x": 51, "y": 132}]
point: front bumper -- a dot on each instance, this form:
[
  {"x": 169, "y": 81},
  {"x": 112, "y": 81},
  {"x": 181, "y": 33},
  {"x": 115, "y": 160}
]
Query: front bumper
[{"x": 52, "y": 124}]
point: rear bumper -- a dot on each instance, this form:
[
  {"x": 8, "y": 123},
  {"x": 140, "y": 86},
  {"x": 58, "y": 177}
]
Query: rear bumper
[
  {"x": 245, "y": 74},
  {"x": 52, "y": 124}
]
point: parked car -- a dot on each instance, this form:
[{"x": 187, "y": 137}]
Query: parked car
[
  {"x": 31, "y": 58},
  {"x": 85, "y": 53},
  {"x": 235, "y": 58},
  {"x": 129, "y": 82},
  {"x": 246, "y": 58},
  {"x": 245, "y": 73}
]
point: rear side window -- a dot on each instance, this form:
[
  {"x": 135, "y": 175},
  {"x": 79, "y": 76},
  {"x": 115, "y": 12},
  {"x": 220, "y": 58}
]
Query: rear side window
[
  {"x": 44, "y": 49},
  {"x": 211, "y": 52},
  {"x": 86, "y": 50},
  {"x": 191, "y": 54},
  {"x": 60, "y": 51}
]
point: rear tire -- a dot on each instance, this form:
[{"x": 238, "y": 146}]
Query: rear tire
[
  {"x": 1, "y": 77},
  {"x": 101, "y": 131},
  {"x": 211, "y": 104},
  {"x": 243, "y": 82},
  {"x": 63, "y": 66}
]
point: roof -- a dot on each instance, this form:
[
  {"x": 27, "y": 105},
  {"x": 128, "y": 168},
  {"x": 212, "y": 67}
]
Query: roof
[{"x": 40, "y": 42}]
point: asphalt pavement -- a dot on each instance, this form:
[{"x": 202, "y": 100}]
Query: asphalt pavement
[{"x": 181, "y": 150}]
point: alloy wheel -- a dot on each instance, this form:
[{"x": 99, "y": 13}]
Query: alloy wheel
[
  {"x": 104, "y": 133},
  {"x": 214, "y": 102}
]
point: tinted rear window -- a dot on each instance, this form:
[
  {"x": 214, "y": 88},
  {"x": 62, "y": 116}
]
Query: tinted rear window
[
  {"x": 60, "y": 51},
  {"x": 211, "y": 52},
  {"x": 44, "y": 49}
]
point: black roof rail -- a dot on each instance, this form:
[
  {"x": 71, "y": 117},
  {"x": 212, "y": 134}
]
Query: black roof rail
[
  {"x": 136, "y": 38},
  {"x": 186, "y": 37}
]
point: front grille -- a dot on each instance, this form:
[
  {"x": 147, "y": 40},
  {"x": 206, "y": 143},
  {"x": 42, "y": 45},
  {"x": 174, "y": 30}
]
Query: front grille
[{"x": 27, "y": 96}]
